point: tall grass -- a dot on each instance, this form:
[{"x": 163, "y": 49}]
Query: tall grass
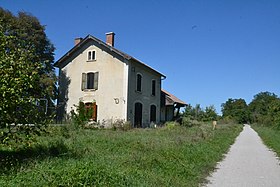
[
  {"x": 270, "y": 136},
  {"x": 176, "y": 156}
]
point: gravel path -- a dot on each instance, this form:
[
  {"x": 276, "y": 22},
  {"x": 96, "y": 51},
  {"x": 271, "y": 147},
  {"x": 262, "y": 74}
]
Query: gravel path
[{"x": 248, "y": 163}]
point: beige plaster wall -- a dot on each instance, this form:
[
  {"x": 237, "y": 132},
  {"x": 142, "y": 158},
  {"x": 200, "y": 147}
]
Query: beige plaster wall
[{"x": 111, "y": 96}]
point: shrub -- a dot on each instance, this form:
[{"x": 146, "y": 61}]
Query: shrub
[
  {"x": 171, "y": 124},
  {"x": 82, "y": 115},
  {"x": 121, "y": 124},
  {"x": 187, "y": 122}
]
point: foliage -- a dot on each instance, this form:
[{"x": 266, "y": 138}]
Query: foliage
[
  {"x": 270, "y": 136},
  {"x": 199, "y": 114},
  {"x": 30, "y": 35},
  {"x": 120, "y": 124},
  {"x": 21, "y": 116},
  {"x": 140, "y": 157},
  {"x": 265, "y": 108},
  {"x": 82, "y": 115},
  {"x": 210, "y": 113},
  {"x": 274, "y": 112},
  {"x": 188, "y": 122},
  {"x": 171, "y": 124},
  {"x": 236, "y": 109}
]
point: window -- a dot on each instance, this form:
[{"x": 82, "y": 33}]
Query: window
[
  {"x": 153, "y": 87},
  {"x": 153, "y": 113},
  {"x": 90, "y": 81},
  {"x": 139, "y": 83},
  {"x": 91, "y": 55}
]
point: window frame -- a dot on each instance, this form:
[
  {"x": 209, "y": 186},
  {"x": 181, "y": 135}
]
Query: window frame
[
  {"x": 139, "y": 86},
  {"x": 87, "y": 81},
  {"x": 153, "y": 85},
  {"x": 90, "y": 54}
]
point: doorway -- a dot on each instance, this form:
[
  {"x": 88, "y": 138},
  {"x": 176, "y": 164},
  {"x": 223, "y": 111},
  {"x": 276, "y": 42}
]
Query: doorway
[{"x": 138, "y": 115}]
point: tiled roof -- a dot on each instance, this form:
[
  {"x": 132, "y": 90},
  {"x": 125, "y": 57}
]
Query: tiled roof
[
  {"x": 90, "y": 37},
  {"x": 172, "y": 99}
]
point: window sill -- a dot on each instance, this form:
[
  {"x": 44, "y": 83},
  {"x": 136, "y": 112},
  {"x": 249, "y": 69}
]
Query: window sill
[
  {"x": 138, "y": 92},
  {"x": 91, "y": 60},
  {"x": 89, "y": 90}
]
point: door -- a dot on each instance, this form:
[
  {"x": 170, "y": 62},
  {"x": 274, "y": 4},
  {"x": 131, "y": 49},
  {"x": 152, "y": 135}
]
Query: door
[
  {"x": 138, "y": 115},
  {"x": 91, "y": 111}
]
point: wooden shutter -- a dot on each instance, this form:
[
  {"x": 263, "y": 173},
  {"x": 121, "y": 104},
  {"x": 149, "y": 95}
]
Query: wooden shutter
[
  {"x": 95, "y": 84},
  {"x": 94, "y": 112},
  {"x": 84, "y": 81}
]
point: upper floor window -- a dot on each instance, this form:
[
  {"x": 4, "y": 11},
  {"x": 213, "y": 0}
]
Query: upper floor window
[
  {"x": 90, "y": 80},
  {"x": 153, "y": 87},
  {"x": 91, "y": 55},
  {"x": 139, "y": 83}
]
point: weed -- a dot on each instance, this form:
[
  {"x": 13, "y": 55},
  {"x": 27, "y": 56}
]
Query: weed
[
  {"x": 270, "y": 136},
  {"x": 168, "y": 156}
]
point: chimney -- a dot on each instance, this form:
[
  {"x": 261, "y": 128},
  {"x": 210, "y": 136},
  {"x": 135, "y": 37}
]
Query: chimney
[
  {"x": 78, "y": 40},
  {"x": 110, "y": 36}
]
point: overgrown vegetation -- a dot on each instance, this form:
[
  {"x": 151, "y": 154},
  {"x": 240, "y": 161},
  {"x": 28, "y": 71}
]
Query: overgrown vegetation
[
  {"x": 167, "y": 156},
  {"x": 270, "y": 136}
]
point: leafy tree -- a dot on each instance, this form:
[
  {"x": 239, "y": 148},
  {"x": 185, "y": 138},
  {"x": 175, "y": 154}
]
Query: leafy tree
[
  {"x": 199, "y": 114},
  {"x": 20, "y": 115},
  {"x": 26, "y": 77},
  {"x": 264, "y": 108},
  {"x": 236, "y": 109},
  {"x": 26, "y": 27},
  {"x": 274, "y": 112},
  {"x": 210, "y": 113}
]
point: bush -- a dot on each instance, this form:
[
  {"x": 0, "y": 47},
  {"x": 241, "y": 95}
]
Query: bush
[
  {"x": 82, "y": 115},
  {"x": 227, "y": 120},
  {"x": 187, "y": 122},
  {"x": 121, "y": 124},
  {"x": 171, "y": 124}
]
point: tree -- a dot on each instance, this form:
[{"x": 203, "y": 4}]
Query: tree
[
  {"x": 26, "y": 77},
  {"x": 199, "y": 114},
  {"x": 210, "y": 113},
  {"x": 264, "y": 108},
  {"x": 236, "y": 109},
  {"x": 274, "y": 112},
  {"x": 26, "y": 27}
]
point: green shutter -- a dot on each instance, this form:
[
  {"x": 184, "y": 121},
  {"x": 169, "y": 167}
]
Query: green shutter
[
  {"x": 84, "y": 81},
  {"x": 95, "y": 84}
]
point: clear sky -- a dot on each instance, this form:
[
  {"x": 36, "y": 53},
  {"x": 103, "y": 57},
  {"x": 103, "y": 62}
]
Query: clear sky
[{"x": 210, "y": 50}]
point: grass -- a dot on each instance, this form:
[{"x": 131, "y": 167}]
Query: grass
[
  {"x": 270, "y": 136},
  {"x": 168, "y": 156}
]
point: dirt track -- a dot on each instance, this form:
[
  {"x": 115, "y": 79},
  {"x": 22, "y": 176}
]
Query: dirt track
[{"x": 248, "y": 163}]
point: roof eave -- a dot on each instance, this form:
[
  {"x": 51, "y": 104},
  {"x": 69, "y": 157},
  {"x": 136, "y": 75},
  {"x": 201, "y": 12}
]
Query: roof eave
[{"x": 100, "y": 42}]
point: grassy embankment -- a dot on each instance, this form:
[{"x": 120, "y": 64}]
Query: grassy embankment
[
  {"x": 270, "y": 136},
  {"x": 168, "y": 156}
]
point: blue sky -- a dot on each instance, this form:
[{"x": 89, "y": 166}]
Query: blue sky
[{"x": 210, "y": 50}]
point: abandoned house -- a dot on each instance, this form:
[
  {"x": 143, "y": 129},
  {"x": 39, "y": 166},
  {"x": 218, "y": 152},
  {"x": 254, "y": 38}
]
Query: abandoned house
[{"x": 114, "y": 84}]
